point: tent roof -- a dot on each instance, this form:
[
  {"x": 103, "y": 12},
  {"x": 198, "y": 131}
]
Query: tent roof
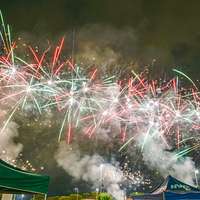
[
  {"x": 148, "y": 197},
  {"x": 174, "y": 185},
  {"x": 14, "y": 180}
]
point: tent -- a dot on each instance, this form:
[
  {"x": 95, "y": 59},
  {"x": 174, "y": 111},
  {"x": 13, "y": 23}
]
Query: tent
[
  {"x": 14, "y": 180},
  {"x": 171, "y": 189}
]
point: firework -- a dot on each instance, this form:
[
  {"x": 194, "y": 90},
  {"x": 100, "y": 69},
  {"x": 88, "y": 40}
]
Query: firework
[{"x": 89, "y": 100}]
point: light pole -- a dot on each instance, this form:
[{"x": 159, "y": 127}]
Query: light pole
[
  {"x": 125, "y": 194},
  {"x": 196, "y": 178},
  {"x": 97, "y": 192},
  {"x": 101, "y": 177},
  {"x": 76, "y": 190}
]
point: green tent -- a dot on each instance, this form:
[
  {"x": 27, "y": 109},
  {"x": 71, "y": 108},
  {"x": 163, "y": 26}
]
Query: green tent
[{"x": 14, "y": 180}]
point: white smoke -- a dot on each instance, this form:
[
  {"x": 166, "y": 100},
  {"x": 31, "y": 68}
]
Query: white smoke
[
  {"x": 9, "y": 149},
  {"x": 156, "y": 156},
  {"x": 92, "y": 169}
]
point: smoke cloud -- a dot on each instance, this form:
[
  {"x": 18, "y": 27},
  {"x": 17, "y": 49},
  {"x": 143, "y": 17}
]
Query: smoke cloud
[
  {"x": 156, "y": 156},
  {"x": 9, "y": 149},
  {"x": 91, "y": 168}
]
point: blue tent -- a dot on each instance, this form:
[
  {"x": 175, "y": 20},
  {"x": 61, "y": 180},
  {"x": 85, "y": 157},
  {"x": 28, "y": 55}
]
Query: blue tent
[
  {"x": 171, "y": 189},
  {"x": 182, "y": 196}
]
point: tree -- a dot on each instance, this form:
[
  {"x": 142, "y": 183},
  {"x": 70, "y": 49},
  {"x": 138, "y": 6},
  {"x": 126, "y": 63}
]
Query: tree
[{"x": 104, "y": 196}]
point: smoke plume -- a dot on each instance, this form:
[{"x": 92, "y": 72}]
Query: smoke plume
[
  {"x": 9, "y": 149},
  {"x": 91, "y": 168},
  {"x": 156, "y": 155}
]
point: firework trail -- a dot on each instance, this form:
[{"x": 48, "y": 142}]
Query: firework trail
[{"x": 91, "y": 101}]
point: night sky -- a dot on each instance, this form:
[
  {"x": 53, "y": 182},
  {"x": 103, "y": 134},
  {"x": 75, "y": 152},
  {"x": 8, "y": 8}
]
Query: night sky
[
  {"x": 143, "y": 30},
  {"x": 170, "y": 27}
]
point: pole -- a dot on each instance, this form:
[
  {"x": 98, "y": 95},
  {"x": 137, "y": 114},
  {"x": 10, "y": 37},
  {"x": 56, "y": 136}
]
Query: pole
[
  {"x": 125, "y": 194},
  {"x": 76, "y": 190},
  {"x": 196, "y": 178},
  {"x": 97, "y": 191},
  {"x": 101, "y": 178}
]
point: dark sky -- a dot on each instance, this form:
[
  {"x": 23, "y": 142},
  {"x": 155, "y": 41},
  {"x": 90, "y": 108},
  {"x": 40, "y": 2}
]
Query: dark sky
[
  {"x": 166, "y": 19},
  {"x": 172, "y": 27}
]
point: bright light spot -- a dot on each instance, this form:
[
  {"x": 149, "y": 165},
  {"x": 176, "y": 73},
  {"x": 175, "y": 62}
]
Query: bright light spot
[
  {"x": 196, "y": 171},
  {"x": 105, "y": 113},
  {"x": 197, "y": 113},
  {"x": 130, "y": 106},
  {"x": 149, "y": 104},
  {"x": 156, "y": 103},
  {"x": 3, "y": 151},
  {"x": 13, "y": 70},
  {"x": 49, "y": 82},
  {"x": 71, "y": 93},
  {"x": 71, "y": 100},
  {"x": 116, "y": 100},
  {"x": 28, "y": 89},
  {"x": 158, "y": 90},
  {"x": 178, "y": 114},
  {"x": 84, "y": 83},
  {"x": 85, "y": 89},
  {"x": 151, "y": 123},
  {"x": 128, "y": 100}
]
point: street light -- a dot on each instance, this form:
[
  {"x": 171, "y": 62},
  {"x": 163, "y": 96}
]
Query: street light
[
  {"x": 196, "y": 172},
  {"x": 101, "y": 178},
  {"x": 97, "y": 192},
  {"x": 76, "y": 190},
  {"x": 125, "y": 197}
]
